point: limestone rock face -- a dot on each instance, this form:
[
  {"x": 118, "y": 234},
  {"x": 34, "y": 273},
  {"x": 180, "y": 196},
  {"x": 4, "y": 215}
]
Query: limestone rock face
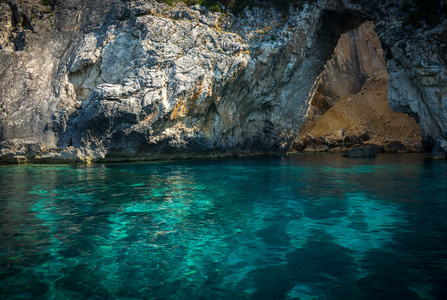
[
  {"x": 364, "y": 119},
  {"x": 151, "y": 80},
  {"x": 113, "y": 80},
  {"x": 418, "y": 83},
  {"x": 416, "y": 58},
  {"x": 357, "y": 57},
  {"x": 351, "y": 100}
]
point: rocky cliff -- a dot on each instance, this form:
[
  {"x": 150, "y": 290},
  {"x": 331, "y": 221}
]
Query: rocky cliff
[
  {"x": 357, "y": 57},
  {"x": 350, "y": 108},
  {"x": 113, "y": 80},
  {"x": 363, "y": 120}
]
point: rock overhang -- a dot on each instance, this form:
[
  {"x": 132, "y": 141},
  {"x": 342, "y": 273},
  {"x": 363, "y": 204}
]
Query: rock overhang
[{"x": 228, "y": 83}]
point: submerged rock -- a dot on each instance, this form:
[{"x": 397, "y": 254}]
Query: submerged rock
[{"x": 369, "y": 152}]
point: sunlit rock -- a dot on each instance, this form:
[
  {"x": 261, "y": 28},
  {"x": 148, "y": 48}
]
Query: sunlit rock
[{"x": 140, "y": 80}]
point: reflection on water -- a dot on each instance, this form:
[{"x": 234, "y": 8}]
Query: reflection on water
[{"x": 297, "y": 227}]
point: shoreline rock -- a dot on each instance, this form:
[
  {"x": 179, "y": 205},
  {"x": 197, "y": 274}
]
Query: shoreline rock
[
  {"x": 351, "y": 142},
  {"x": 368, "y": 152},
  {"x": 17, "y": 153}
]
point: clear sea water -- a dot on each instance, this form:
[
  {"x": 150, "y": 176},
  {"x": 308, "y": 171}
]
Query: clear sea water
[{"x": 292, "y": 227}]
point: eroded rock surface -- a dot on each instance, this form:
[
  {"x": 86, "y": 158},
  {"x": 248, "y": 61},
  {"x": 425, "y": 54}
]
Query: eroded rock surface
[
  {"x": 350, "y": 109},
  {"x": 357, "y": 57},
  {"x": 112, "y": 80}
]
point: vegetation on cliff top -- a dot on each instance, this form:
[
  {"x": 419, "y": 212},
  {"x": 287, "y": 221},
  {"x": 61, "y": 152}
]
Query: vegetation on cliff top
[
  {"x": 419, "y": 11},
  {"x": 236, "y": 5}
]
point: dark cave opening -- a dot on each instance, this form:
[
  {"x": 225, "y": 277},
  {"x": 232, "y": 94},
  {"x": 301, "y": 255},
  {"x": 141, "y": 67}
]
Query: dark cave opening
[{"x": 350, "y": 108}]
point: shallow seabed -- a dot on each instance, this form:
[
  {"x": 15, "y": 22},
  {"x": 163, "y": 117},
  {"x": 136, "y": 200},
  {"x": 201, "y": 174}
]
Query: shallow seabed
[{"x": 295, "y": 227}]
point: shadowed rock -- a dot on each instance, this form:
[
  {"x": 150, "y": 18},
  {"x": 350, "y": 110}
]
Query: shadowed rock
[
  {"x": 394, "y": 146},
  {"x": 141, "y": 80},
  {"x": 369, "y": 152}
]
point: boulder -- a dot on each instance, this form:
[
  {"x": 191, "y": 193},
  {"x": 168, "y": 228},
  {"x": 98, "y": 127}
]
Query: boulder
[
  {"x": 394, "y": 147},
  {"x": 341, "y": 133},
  {"x": 354, "y": 153},
  {"x": 365, "y": 136},
  {"x": 308, "y": 140},
  {"x": 336, "y": 149},
  {"x": 339, "y": 143},
  {"x": 297, "y": 145},
  {"x": 321, "y": 141},
  {"x": 370, "y": 152},
  {"x": 417, "y": 148},
  {"x": 331, "y": 143},
  {"x": 378, "y": 148},
  {"x": 351, "y": 140}
]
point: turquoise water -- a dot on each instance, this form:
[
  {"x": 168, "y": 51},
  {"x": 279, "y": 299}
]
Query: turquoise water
[{"x": 296, "y": 227}]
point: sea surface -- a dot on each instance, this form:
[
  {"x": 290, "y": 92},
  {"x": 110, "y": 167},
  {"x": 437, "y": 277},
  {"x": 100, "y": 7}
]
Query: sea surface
[{"x": 314, "y": 226}]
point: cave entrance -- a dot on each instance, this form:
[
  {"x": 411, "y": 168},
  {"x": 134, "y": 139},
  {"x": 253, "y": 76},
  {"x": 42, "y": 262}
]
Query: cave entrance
[{"x": 350, "y": 107}]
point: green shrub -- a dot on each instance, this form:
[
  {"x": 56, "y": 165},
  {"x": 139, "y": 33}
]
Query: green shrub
[
  {"x": 215, "y": 8},
  {"x": 168, "y": 2},
  {"x": 46, "y": 2},
  {"x": 238, "y": 5}
]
